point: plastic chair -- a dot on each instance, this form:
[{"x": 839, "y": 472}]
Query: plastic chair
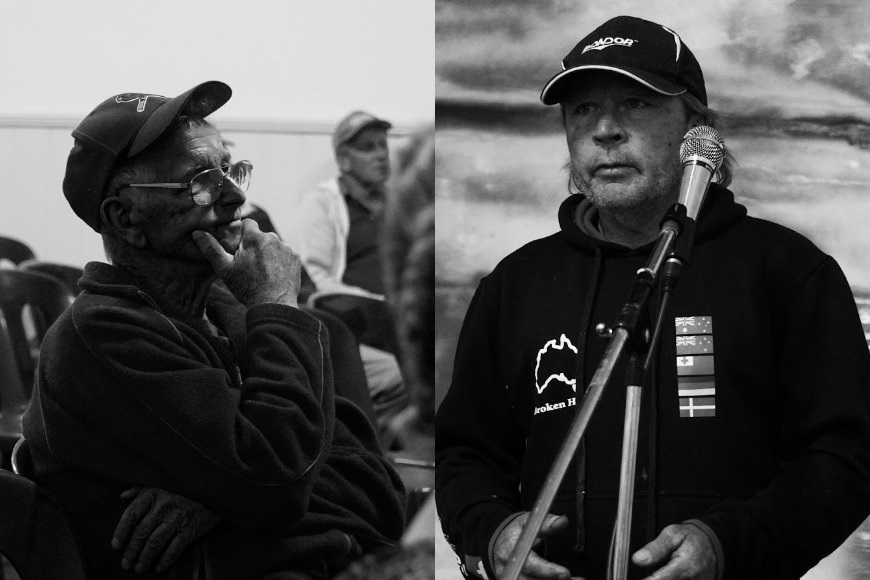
[
  {"x": 14, "y": 250},
  {"x": 36, "y": 535},
  {"x": 65, "y": 273},
  {"x": 30, "y": 303},
  {"x": 13, "y": 398}
]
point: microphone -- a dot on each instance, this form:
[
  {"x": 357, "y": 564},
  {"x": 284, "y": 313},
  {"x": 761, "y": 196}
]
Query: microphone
[{"x": 701, "y": 154}]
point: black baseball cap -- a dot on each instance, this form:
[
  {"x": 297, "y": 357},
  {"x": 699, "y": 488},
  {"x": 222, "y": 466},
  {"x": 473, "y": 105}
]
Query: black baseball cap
[
  {"x": 652, "y": 54},
  {"x": 119, "y": 128}
]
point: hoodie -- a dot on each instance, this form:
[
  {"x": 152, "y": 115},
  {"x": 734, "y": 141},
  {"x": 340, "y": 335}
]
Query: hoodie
[
  {"x": 755, "y": 420},
  {"x": 237, "y": 412}
]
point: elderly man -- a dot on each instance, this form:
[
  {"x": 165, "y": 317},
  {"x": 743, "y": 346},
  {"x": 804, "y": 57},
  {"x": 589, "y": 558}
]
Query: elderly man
[
  {"x": 338, "y": 235},
  {"x": 764, "y": 475},
  {"x": 190, "y": 424}
]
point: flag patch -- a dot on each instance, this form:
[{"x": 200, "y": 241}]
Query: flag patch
[
  {"x": 694, "y": 325},
  {"x": 695, "y": 365},
  {"x": 701, "y": 344},
  {"x": 696, "y": 383},
  {"x": 697, "y": 407},
  {"x": 688, "y": 386}
]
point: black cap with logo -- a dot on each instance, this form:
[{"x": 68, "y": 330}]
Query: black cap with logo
[{"x": 649, "y": 53}]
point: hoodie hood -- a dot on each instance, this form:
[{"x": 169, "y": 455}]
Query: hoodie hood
[{"x": 718, "y": 213}]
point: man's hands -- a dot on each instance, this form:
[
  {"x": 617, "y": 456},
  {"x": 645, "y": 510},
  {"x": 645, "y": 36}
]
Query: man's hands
[
  {"x": 535, "y": 566},
  {"x": 687, "y": 551},
  {"x": 158, "y": 524},
  {"x": 263, "y": 269}
]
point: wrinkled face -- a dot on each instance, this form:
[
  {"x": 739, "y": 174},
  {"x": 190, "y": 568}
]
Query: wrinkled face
[
  {"x": 367, "y": 156},
  {"x": 624, "y": 140},
  {"x": 167, "y": 217}
]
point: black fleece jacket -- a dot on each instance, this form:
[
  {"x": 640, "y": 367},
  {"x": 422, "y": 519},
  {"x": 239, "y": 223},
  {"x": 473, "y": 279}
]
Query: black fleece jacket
[
  {"x": 769, "y": 446},
  {"x": 244, "y": 420}
]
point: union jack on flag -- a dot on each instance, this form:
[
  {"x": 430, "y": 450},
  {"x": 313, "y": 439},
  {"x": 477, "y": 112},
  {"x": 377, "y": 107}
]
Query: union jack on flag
[
  {"x": 694, "y": 324},
  {"x": 685, "y": 340}
]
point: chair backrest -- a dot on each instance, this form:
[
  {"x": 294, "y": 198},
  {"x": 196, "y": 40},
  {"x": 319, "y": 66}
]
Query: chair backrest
[
  {"x": 13, "y": 396},
  {"x": 35, "y": 532},
  {"x": 65, "y": 273},
  {"x": 30, "y": 302},
  {"x": 14, "y": 250}
]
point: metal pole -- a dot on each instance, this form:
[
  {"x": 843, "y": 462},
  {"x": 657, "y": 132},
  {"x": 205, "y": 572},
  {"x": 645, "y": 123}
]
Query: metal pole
[{"x": 626, "y": 482}]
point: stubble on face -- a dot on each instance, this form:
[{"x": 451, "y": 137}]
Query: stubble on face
[
  {"x": 639, "y": 198},
  {"x": 623, "y": 140}
]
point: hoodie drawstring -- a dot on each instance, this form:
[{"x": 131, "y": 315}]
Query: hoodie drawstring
[{"x": 581, "y": 382}]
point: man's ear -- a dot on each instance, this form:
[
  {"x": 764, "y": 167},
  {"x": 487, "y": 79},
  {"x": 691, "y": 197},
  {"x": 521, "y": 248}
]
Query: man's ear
[{"x": 115, "y": 213}]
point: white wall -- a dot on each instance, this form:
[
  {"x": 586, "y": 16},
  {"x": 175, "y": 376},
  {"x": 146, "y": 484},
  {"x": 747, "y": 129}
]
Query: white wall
[
  {"x": 290, "y": 60},
  {"x": 295, "y": 67}
]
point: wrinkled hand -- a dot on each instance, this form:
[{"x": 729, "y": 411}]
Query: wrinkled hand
[
  {"x": 263, "y": 269},
  {"x": 535, "y": 566},
  {"x": 686, "y": 550},
  {"x": 158, "y": 524}
]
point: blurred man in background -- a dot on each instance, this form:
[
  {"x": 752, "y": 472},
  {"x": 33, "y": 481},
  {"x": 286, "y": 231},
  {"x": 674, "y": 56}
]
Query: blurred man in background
[
  {"x": 408, "y": 252},
  {"x": 338, "y": 235}
]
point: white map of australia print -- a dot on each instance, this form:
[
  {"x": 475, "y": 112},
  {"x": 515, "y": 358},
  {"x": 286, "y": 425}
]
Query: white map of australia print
[{"x": 554, "y": 359}]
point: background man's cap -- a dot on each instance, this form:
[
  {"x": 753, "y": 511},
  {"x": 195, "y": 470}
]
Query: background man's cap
[
  {"x": 647, "y": 52},
  {"x": 350, "y": 126},
  {"x": 119, "y": 128}
]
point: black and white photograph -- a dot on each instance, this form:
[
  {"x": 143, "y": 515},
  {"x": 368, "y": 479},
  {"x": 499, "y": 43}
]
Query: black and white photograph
[
  {"x": 745, "y": 410},
  {"x": 216, "y": 258}
]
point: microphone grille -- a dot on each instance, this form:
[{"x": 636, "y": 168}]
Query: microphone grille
[{"x": 705, "y": 142}]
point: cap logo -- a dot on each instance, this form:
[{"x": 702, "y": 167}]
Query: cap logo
[
  {"x": 142, "y": 99},
  {"x": 609, "y": 41}
]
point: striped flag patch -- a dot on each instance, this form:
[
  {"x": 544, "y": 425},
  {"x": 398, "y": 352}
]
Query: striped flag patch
[
  {"x": 696, "y": 369},
  {"x": 695, "y": 386}
]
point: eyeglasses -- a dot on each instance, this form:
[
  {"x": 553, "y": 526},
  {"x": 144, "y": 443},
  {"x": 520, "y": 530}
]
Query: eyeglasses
[{"x": 206, "y": 187}]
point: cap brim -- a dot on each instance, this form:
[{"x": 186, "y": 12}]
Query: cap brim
[
  {"x": 158, "y": 122},
  {"x": 376, "y": 123},
  {"x": 553, "y": 91}
]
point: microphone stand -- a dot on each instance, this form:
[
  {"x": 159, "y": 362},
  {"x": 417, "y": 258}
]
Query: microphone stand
[{"x": 629, "y": 334}]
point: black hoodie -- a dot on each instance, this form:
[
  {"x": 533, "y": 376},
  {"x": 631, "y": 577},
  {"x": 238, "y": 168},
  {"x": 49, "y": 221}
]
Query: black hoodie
[{"x": 756, "y": 421}]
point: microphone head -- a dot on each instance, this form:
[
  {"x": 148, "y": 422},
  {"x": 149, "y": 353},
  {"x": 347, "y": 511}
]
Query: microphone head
[{"x": 703, "y": 144}]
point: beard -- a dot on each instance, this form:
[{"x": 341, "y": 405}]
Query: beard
[{"x": 647, "y": 197}]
